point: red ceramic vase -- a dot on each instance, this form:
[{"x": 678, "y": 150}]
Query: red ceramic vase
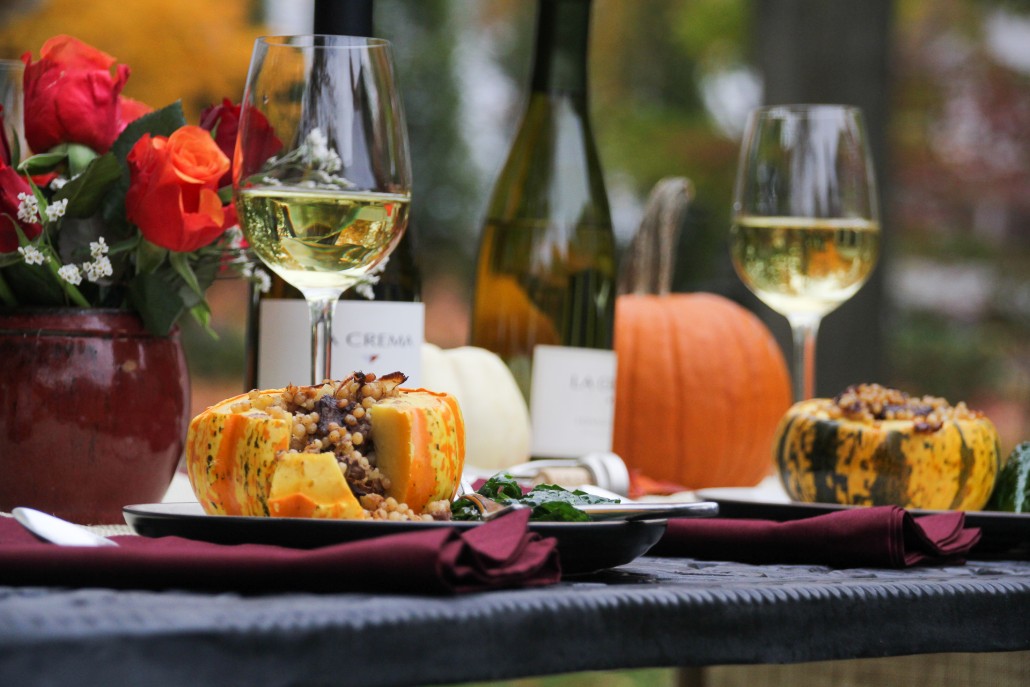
[{"x": 93, "y": 412}]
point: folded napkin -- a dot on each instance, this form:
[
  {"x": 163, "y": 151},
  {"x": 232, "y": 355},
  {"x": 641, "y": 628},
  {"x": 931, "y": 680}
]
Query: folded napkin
[
  {"x": 499, "y": 554},
  {"x": 882, "y": 537}
]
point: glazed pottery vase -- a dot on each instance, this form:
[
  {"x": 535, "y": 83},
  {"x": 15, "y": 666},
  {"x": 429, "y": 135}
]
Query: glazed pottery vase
[{"x": 93, "y": 412}]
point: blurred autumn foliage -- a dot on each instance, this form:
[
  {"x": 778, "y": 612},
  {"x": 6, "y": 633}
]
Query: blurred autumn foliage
[{"x": 194, "y": 50}]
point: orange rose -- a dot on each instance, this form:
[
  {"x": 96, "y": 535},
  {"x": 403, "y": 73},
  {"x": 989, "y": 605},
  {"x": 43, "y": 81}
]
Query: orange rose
[{"x": 172, "y": 195}]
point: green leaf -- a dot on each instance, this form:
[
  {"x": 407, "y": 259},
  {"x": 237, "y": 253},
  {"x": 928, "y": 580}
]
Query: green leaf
[
  {"x": 161, "y": 122},
  {"x": 15, "y": 151},
  {"x": 558, "y": 511},
  {"x": 125, "y": 246},
  {"x": 34, "y": 285},
  {"x": 149, "y": 257},
  {"x": 6, "y": 295},
  {"x": 44, "y": 162},
  {"x": 86, "y": 192},
  {"x": 53, "y": 263},
  {"x": 157, "y": 302},
  {"x": 548, "y": 501},
  {"x": 501, "y": 487},
  {"x": 202, "y": 314},
  {"x": 181, "y": 264}
]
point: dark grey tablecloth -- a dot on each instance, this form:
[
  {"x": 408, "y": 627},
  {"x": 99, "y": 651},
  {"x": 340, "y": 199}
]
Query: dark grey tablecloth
[{"x": 655, "y": 612}]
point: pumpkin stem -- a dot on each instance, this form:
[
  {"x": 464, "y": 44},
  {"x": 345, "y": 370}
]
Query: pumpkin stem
[{"x": 650, "y": 258}]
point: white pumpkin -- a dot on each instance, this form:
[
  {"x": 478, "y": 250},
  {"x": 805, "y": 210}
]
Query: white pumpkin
[{"x": 497, "y": 431}]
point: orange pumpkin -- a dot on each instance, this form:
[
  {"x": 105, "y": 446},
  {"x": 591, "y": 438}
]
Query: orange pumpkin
[{"x": 701, "y": 386}]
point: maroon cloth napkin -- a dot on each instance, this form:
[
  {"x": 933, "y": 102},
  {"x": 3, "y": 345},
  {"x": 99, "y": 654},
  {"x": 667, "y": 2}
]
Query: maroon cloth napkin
[
  {"x": 878, "y": 537},
  {"x": 499, "y": 554}
]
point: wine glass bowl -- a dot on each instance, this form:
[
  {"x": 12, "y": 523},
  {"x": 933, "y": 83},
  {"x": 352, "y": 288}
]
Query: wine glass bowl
[
  {"x": 806, "y": 233},
  {"x": 321, "y": 171}
]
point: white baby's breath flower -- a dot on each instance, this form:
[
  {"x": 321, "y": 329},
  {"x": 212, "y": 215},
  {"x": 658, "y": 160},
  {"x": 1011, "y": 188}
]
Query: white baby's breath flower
[
  {"x": 58, "y": 183},
  {"x": 56, "y": 210},
  {"x": 270, "y": 181},
  {"x": 95, "y": 271},
  {"x": 332, "y": 162},
  {"x": 28, "y": 208},
  {"x": 235, "y": 237},
  {"x": 264, "y": 281},
  {"x": 71, "y": 274},
  {"x": 364, "y": 289},
  {"x": 98, "y": 248},
  {"x": 317, "y": 153},
  {"x": 317, "y": 145},
  {"x": 31, "y": 254}
]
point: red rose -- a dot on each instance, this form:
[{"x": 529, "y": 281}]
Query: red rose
[
  {"x": 262, "y": 143},
  {"x": 172, "y": 195},
  {"x": 71, "y": 95},
  {"x": 130, "y": 110},
  {"x": 11, "y": 184},
  {"x": 224, "y": 121}
]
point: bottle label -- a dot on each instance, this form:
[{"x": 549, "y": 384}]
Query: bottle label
[
  {"x": 572, "y": 401},
  {"x": 370, "y": 336}
]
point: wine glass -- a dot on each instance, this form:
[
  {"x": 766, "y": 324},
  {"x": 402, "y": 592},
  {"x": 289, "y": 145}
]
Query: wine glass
[
  {"x": 806, "y": 228},
  {"x": 321, "y": 172}
]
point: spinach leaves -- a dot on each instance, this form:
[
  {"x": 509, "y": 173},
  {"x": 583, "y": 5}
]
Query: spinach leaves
[{"x": 548, "y": 501}]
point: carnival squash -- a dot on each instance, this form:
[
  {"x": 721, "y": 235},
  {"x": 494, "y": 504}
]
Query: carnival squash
[
  {"x": 701, "y": 385},
  {"x": 877, "y": 446},
  {"x": 497, "y": 430},
  {"x": 324, "y": 451}
]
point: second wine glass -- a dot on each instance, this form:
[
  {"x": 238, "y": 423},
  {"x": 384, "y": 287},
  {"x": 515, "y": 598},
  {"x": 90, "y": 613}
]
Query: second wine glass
[
  {"x": 806, "y": 227},
  {"x": 322, "y": 176}
]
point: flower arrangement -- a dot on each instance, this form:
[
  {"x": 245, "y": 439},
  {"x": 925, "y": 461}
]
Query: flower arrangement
[{"x": 118, "y": 205}]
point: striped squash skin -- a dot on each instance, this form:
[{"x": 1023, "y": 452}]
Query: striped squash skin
[
  {"x": 887, "y": 462},
  {"x": 230, "y": 459}
]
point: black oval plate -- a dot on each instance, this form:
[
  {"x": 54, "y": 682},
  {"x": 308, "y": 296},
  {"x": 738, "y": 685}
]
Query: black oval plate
[{"x": 583, "y": 547}]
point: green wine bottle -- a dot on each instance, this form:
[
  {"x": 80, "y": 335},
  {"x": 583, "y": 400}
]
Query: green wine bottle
[
  {"x": 372, "y": 334},
  {"x": 545, "y": 277}
]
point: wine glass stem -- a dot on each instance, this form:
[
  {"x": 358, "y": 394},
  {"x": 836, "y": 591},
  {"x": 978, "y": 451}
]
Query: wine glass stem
[
  {"x": 321, "y": 308},
  {"x": 804, "y": 329}
]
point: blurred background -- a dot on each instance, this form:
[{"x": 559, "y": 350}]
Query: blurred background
[{"x": 945, "y": 86}]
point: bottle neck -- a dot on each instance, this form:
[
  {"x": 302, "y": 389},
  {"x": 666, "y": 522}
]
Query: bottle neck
[{"x": 560, "y": 60}]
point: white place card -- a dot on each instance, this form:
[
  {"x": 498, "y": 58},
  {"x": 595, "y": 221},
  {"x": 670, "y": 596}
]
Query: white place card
[
  {"x": 572, "y": 401},
  {"x": 371, "y": 336}
]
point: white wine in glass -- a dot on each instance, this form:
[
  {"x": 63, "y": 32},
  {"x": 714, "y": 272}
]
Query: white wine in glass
[
  {"x": 322, "y": 176},
  {"x": 806, "y": 230}
]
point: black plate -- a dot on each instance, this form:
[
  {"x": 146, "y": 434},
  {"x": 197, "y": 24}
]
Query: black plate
[
  {"x": 1000, "y": 532},
  {"x": 584, "y": 547}
]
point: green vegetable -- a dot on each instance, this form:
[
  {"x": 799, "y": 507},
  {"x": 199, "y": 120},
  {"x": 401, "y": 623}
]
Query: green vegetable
[
  {"x": 548, "y": 501},
  {"x": 1012, "y": 488}
]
